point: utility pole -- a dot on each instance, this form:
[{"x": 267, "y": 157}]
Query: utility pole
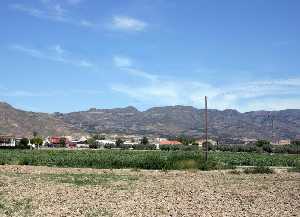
[{"x": 206, "y": 130}]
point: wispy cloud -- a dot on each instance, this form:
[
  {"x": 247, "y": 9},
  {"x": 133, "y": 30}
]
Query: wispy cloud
[
  {"x": 51, "y": 93},
  {"x": 53, "y": 53},
  {"x": 270, "y": 95},
  {"x": 54, "y": 12},
  {"x": 122, "y": 61},
  {"x": 140, "y": 73},
  {"x": 126, "y": 64},
  {"x": 128, "y": 24}
]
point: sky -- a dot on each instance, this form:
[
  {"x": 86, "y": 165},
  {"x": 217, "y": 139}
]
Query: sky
[{"x": 72, "y": 55}]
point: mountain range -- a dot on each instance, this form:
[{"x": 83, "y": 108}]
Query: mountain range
[{"x": 158, "y": 121}]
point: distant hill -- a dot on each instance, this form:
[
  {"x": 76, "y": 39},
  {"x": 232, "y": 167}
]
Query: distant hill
[
  {"x": 22, "y": 123},
  {"x": 176, "y": 120},
  {"x": 160, "y": 121}
]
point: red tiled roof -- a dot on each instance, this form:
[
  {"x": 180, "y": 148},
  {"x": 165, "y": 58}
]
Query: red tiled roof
[{"x": 169, "y": 142}]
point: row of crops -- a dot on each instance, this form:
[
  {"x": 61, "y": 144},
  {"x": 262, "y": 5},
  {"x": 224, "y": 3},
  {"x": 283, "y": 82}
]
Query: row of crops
[{"x": 143, "y": 159}]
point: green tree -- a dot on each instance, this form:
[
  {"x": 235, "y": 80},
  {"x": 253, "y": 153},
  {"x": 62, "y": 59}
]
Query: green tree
[
  {"x": 185, "y": 140},
  {"x": 37, "y": 141},
  {"x": 23, "y": 143},
  {"x": 119, "y": 142},
  {"x": 261, "y": 143},
  {"x": 92, "y": 143},
  {"x": 99, "y": 137},
  {"x": 62, "y": 142},
  {"x": 144, "y": 141}
]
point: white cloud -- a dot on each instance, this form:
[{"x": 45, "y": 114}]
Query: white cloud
[
  {"x": 128, "y": 23},
  {"x": 51, "y": 93},
  {"x": 140, "y": 73},
  {"x": 126, "y": 64},
  {"x": 87, "y": 23},
  {"x": 268, "y": 95},
  {"x": 58, "y": 49},
  {"x": 53, "y": 12},
  {"x": 122, "y": 61},
  {"x": 54, "y": 53}
]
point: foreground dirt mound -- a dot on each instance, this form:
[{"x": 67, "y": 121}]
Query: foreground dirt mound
[{"x": 44, "y": 191}]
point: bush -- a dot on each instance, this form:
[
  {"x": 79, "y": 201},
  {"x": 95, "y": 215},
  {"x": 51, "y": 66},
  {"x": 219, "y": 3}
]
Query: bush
[
  {"x": 144, "y": 147},
  {"x": 178, "y": 147},
  {"x": 236, "y": 148},
  {"x": 267, "y": 148},
  {"x": 261, "y": 143},
  {"x": 23, "y": 144},
  {"x": 93, "y": 146},
  {"x": 109, "y": 146},
  {"x": 124, "y": 146},
  {"x": 259, "y": 170},
  {"x": 290, "y": 149},
  {"x": 296, "y": 168}
]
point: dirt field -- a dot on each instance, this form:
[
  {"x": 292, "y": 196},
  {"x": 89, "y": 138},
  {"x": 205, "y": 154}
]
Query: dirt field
[{"x": 44, "y": 191}]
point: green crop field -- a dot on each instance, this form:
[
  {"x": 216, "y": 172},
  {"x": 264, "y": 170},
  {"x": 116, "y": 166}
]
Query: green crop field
[{"x": 143, "y": 159}]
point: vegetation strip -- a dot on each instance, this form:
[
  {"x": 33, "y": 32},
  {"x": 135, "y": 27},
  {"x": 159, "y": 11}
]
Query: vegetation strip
[{"x": 144, "y": 159}]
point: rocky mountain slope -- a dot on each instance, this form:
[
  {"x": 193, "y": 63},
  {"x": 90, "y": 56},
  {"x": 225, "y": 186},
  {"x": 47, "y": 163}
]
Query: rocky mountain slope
[
  {"x": 175, "y": 120},
  {"x": 160, "y": 121},
  {"x": 22, "y": 123}
]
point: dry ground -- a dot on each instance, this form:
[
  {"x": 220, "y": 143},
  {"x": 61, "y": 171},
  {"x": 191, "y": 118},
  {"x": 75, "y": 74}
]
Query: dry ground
[{"x": 44, "y": 191}]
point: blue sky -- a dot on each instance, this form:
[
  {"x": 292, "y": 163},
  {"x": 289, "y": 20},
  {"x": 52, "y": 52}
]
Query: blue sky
[{"x": 71, "y": 55}]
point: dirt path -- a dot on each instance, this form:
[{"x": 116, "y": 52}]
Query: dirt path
[{"x": 44, "y": 191}]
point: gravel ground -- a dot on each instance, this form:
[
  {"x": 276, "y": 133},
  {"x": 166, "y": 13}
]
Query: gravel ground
[{"x": 44, "y": 191}]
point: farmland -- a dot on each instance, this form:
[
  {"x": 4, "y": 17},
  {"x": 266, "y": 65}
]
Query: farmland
[
  {"x": 166, "y": 160},
  {"x": 48, "y": 191}
]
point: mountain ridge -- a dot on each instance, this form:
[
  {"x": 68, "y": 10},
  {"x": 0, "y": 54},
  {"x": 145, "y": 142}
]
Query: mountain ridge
[{"x": 158, "y": 121}]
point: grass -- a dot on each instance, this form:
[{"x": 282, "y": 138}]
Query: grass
[
  {"x": 20, "y": 207},
  {"x": 162, "y": 160},
  {"x": 87, "y": 179},
  {"x": 76, "y": 179},
  {"x": 258, "y": 170}
]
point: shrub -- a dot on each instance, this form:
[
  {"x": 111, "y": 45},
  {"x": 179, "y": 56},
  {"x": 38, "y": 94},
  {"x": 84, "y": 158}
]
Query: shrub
[
  {"x": 235, "y": 172},
  {"x": 144, "y": 141},
  {"x": 124, "y": 146},
  {"x": 93, "y": 146},
  {"x": 261, "y": 143},
  {"x": 296, "y": 168},
  {"x": 144, "y": 147},
  {"x": 235, "y": 148},
  {"x": 119, "y": 142},
  {"x": 178, "y": 147},
  {"x": 23, "y": 144},
  {"x": 258, "y": 170},
  {"x": 290, "y": 149},
  {"x": 109, "y": 146},
  {"x": 267, "y": 148}
]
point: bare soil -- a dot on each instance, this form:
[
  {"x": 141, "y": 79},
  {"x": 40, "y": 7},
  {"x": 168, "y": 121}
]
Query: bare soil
[{"x": 44, "y": 191}]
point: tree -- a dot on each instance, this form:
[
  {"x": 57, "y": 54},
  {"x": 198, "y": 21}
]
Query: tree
[
  {"x": 92, "y": 143},
  {"x": 144, "y": 141},
  {"x": 62, "y": 142},
  {"x": 34, "y": 133},
  {"x": 185, "y": 140},
  {"x": 23, "y": 143},
  {"x": 37, "y": 141},
  {"x": 261, "y": 143},
  {"x": 296, "y": 142},
  {"x": 119, "y": 142},
  {"x": 99, "y": 137}
]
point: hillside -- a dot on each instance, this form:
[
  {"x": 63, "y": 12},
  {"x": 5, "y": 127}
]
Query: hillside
[
  {"x": 22, "y": 123},
  {"x": 175, "y": 120},
  {"x": 160, "y": 121}
]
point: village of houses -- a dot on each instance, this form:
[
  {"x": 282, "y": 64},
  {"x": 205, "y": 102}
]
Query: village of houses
[{"x": 111, "y": 141}]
